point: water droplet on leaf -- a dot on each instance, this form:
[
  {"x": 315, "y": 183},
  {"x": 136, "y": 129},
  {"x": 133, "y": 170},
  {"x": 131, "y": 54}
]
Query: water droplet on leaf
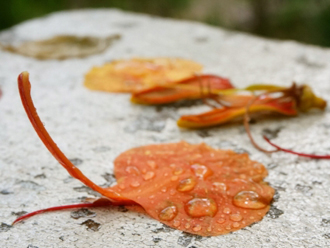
[
  {"x": 168, "y": 213},
  {"x": 135, "y": 184},
  {"x": 201, "y": 171},
  {"x": 186, "y": 184},
  {"x": 235, "y": 217},
  {"x": 149, "y": 175},
  {"x": 199, "y": 207},
  {"x": 248, "y": 199}
]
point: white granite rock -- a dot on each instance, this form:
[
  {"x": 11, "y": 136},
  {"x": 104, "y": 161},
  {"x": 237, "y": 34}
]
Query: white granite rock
[{"x": 95, "y": 127}]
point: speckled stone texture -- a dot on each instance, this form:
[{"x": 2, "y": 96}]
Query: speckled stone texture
[{"x": 92, "y": 128}]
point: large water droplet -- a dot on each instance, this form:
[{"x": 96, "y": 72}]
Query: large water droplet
[
  {"x": 248, "y": 199},
  {"x": 186, "y": 184},
  {"x": 168, "y": 213},
  {"x": 199, "y": 207},
  {"x": 149, "y": 175},
  {"x": 201, "y": 171}
]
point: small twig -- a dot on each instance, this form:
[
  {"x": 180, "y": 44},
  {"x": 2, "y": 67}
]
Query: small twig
[
  {"x": 247, "y": 127},
  {"x": 296, "y": 153}
]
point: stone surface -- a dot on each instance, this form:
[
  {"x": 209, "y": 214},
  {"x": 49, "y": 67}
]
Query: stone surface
[{"x": 95, "y": 127}]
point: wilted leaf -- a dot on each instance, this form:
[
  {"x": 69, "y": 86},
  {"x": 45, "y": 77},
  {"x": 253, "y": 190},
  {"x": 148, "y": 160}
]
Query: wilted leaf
[
  {"x": 63, "y": 47},
  {"x": 139, "y": 73}
]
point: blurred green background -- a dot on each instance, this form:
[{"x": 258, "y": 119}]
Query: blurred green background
[{"x": 306, "y": 21}]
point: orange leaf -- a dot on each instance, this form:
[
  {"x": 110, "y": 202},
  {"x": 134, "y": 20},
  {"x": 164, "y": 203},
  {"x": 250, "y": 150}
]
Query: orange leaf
[
  {"x": 139, "y": 73},
  {"x": 190, "y": 88},
  {"x": 194, "y": 188},
  {"x": 224, "y": 115}
]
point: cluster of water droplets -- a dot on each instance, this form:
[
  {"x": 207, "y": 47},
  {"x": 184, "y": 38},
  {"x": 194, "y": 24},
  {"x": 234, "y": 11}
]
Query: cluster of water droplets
[{"x": 198, "y": 208}]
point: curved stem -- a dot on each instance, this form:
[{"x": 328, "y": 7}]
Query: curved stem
[
  {"x": 97, "y": 203},
  {"x": 24, "y": 87},
  {"x": 247, "y": 127},
  {"x": 296, "y": 153}
]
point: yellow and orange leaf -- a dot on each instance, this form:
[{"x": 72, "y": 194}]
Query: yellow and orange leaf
[{"x": 139, "y": 73}]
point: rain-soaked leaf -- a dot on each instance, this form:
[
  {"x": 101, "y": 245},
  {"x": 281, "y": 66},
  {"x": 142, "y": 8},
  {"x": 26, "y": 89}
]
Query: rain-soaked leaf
[
  {"x": 139, "y": 73},
  {"x": 194, "y": 188},
  {"x": 63, "y": 47}
]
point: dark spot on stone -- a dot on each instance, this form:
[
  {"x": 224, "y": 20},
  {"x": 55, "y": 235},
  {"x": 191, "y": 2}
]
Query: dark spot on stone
[
  {"x": 325, "y": 125},
  {"x": 316, "y": 182},
  {"x": 19, "y": 214},
  {"x": 91, "y": 225},
  {"x": 149, "y": 123},
  {"x": 240, "y": 150},
  {"x": 274, "y": 212},
  {"x": 164, "y": 229},
  {"x": 81, "y": 213},
  {"x": 61, "y": 238},
  {"x": 203, "y": 133},
  {"x": 159, "y": 109},
  {"x": 156, "y": 240},
  {"x": 109, "y": 177},
  {"x": 271, "y": 133},
  {"x": 125, "y": 24},
  {"x": 192, "y": 246},
  {"x": 305, "y": 189},
  {"x": 326, "y": 235},
  {"x": 87, "y": 190},
  {"x": 5, "y": 192},
  {"x": 76, "y": 161},
  {"x": 325, "y": 222},
  {"x": 122, "y": 209},
  {"x": 185, "y": 240},
  {"x": 272, "y": 166},
  {"x": 5, "y": 227},
  {"x": 201, "y": 39},
  {"x": 224, "y": 144},
  {"x": 305, "y": 61},
  {"x": 41, "y": 176},
  {"x": 68, "y": 179},
  {"x": 276, "y": 196},
  {"x": 198, "y": 238},
  {"x": 122, "y": 234},
  {"x": 283, "y": 173},
  {"x": 252, "y": 224},
  {"x": 30, "y": 185},
  {"x": 32, "y": 246},
  {"x": 101, "y": 149},
  {"x": 279, "y": 188}
]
